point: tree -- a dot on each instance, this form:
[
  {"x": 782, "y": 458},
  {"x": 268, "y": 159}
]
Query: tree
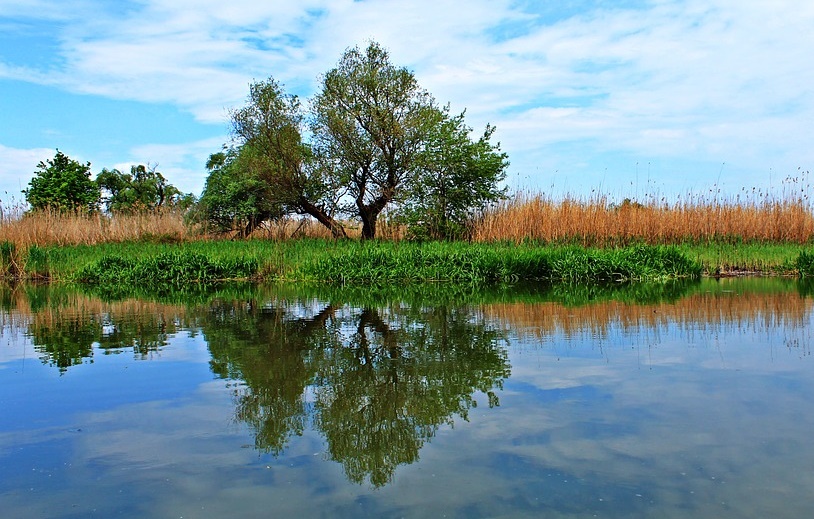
[
  {"x": 142, "y": 188},
  {"x": 269, "y": 130},
  {"x": 376, "y": 139},
  {"x": 63, "y": 184},
  {"x": 235, "y": 197},
  {"x": 458, "y": 177},
  {"x": 370, "y": 123}
]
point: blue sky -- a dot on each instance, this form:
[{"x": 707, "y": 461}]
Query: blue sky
[{"x": 625, "y": 98}]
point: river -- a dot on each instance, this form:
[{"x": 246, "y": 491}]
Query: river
[{"x": 665, "y": 400}]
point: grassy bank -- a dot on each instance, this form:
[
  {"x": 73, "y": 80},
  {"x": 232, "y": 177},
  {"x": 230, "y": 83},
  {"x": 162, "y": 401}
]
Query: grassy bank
[{"x": 343, "y": 262}]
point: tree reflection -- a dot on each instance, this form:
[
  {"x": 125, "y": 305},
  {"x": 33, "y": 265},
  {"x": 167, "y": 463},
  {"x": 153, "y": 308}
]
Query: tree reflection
[
  {"x": 65, "y": 340},
  {"x": 383, "y": 380},
  {"x": 385, "y": 392},
  {"x": 266, "y": 353},
  {"x": 65, "y": 326}
]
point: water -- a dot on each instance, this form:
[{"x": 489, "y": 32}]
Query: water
[{"x": 690, "y": 400}]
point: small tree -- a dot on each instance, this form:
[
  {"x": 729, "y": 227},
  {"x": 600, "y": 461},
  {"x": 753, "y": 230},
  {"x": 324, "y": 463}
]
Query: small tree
[
  {"x": 459, "y": 176},
  {"x": 235, "y": 198},
  {"x": 63, "y": 184}
]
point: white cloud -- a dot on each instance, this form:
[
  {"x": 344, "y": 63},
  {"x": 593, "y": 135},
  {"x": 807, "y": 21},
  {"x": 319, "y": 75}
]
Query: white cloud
[
  {"x": 17, "y": 167},
  {"x": 181, "y": 164}
]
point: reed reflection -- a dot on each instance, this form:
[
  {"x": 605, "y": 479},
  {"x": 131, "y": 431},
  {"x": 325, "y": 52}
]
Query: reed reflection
[{"x": 710, "y": 306}]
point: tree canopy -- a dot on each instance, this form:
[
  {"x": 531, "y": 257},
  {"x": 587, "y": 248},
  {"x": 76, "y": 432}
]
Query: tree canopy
[
  {"x": 142, "y": 188},
  {"x": 370, "y": 123},
  {"x": 458, "y": 177},
  {"x": 235, "y": 196},
  {"x": 63, "y": 184}
]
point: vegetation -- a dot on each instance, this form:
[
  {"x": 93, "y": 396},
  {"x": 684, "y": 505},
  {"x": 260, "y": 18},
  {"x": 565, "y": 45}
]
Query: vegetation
[
  {"x": 690, "y": 219},
  {"x": 235, "y": 196},
  {"x": 173, "y": 270},
  {"x": 142, "y": 188},
  {"x": 460, "y": 178},
  {"x": 62, "y": 184},
  {"x": 347, "y": 262},
  {"x": 371, "y": 121},
  {"x": 495, "y": 263},
  {"x": 374, "y": 156},
  {"x": 54, "y": 245},
  {"x": 378, "y": 141}
]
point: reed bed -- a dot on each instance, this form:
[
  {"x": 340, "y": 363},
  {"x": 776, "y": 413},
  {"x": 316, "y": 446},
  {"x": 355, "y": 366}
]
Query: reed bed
[
  {"x": 50, "y": 227},
  {"x": 599, "y": 222},
  {"x": 527, "y": 217}
]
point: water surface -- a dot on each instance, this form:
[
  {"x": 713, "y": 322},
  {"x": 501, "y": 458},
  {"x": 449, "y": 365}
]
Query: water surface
[{"x": 684, "y": 400}]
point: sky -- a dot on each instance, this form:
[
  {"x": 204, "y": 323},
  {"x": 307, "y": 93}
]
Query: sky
[{"x": 639, "y": 98}]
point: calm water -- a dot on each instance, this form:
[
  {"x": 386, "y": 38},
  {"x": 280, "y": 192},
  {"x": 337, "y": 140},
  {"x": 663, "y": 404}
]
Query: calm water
[{"x": 652, "y": 401}]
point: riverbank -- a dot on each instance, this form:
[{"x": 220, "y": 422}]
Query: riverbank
[{"x": 352, "y": 262}]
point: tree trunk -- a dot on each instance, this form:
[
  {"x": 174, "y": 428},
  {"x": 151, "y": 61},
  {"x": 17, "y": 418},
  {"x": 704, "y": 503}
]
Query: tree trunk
[
  {"x": 368, "y": 224},
  {"x": 370, "y": 213},
  {"x": 337, "y": 231}
]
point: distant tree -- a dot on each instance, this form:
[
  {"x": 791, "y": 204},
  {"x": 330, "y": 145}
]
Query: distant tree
[
  {"x": 142, "y": 188},
  {"x": 370, "y": 123},
  {"x": 459, "y": 176},
  {"x": 64, "y": 184}
]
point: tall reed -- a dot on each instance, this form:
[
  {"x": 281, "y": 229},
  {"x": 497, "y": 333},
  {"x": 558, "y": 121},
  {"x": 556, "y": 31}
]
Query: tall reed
[
  {"x": 49, "y": 227},
  {"x": 694, "y": 218}
]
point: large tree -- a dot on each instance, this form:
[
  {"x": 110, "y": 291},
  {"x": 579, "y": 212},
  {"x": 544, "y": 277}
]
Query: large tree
[
  {"x": 376, "y": 139},
  {"x": 268, "y": 132},
  {"x": 370, "y": 122},
  {"x": 63, "y": 184}
]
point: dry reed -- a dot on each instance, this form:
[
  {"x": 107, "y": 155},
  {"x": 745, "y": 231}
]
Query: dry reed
[
  {"x": 55, "y": 228},
  {"x": 751, "y": 216},
  {"x": 694, "y": 219}
]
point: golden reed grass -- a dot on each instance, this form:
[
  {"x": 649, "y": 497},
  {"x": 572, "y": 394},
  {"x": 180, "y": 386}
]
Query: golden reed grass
[
  {"x": 753, "y": 217},
  {"x": 599, "y": 222},
  {"x": 697, "y": 312},
  {"x": 55, "y": 228}
]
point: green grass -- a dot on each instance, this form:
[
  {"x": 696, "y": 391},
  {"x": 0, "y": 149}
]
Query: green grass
[
  {"x": 769, "y": 258},
  {"x": 348, "y": 262},
  {"x": 352, "y": 262},
  {"x": 479, "y": 263},
  {"x": 167, "y": 270}
]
